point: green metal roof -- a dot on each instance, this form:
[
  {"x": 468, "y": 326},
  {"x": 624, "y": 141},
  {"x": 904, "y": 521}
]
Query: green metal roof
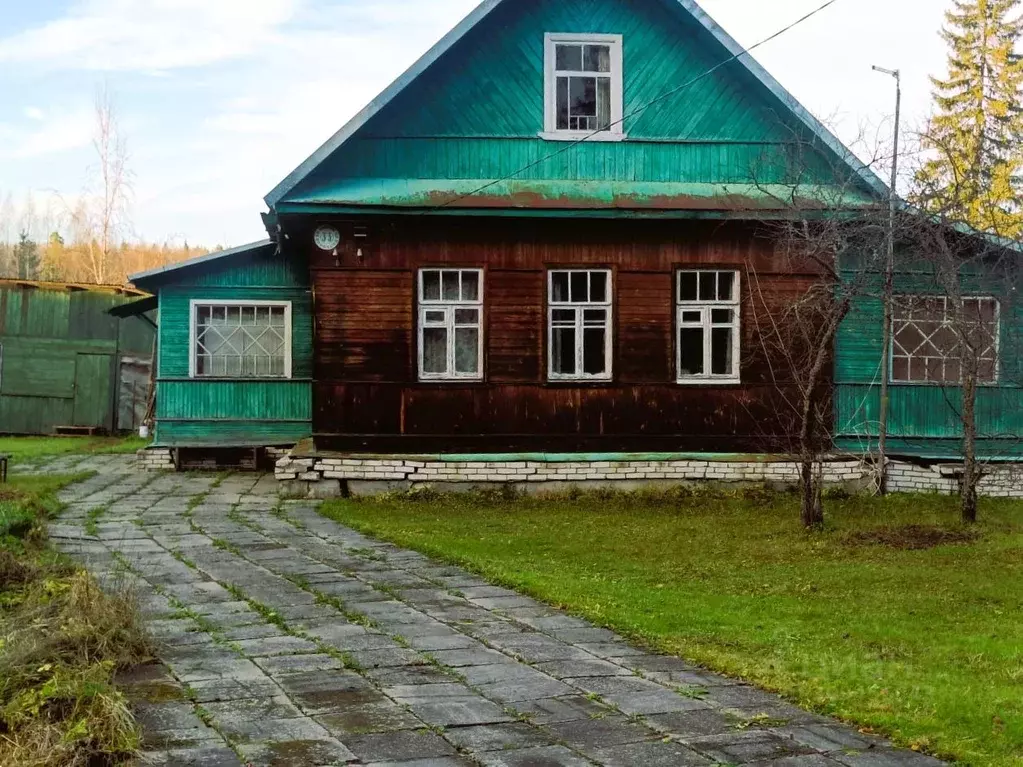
[{"x": 572, "y": 195}]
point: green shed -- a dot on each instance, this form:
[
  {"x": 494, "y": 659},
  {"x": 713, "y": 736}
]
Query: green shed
[
  {"x": 235, "y": 350},
  {"x": 66, "y": 363}
]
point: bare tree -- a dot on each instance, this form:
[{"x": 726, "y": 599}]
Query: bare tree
[
  {"x": 100, "y": 218},
  {"x": 832, "y": 233},
  {"x": 797, "y": 337},
  {"x": 958, "y": 290}
]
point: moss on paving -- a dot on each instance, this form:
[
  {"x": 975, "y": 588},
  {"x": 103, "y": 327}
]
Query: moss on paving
[{"x": 879, "y": 619}]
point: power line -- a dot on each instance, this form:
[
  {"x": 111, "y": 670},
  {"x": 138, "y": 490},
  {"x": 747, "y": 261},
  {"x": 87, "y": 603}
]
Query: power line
[{"x": 637, "y": 110}]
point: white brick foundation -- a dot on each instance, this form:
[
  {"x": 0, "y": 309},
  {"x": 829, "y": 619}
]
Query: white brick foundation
[
  {"x": 156, "y": 459},
  {"x": 999, "y": 480},
  {"x": 162, "y": 459},
  {"x": 328, "y": 477},
  {"x": 302, "y": 476}
]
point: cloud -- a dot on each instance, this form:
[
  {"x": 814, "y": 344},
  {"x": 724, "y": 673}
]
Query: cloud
[
  {"x": 149, "y": 35},
  {"x": 59, "y": 133},
  {"x": 35, "y": 113}
]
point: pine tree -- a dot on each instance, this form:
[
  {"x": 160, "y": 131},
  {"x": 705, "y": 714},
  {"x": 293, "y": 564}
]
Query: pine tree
[
  {"x": 26, "y": 256},
  {"x": 975, "y": 136}
]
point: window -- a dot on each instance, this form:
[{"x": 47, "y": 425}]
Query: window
[
  {"x": 241, "y": 339},
  {"x": 926, "y": 345},
  {"x": 580, "y": 325},
  {"x": 708, "y": 326},
  {"x": 451, "y": 324},
  {"x": 583, "y": 75}
]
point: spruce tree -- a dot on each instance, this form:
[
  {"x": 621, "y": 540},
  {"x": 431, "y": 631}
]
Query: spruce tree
[
  {"x": 975, "y": 136},
  {"x": 26, "y": 256}
]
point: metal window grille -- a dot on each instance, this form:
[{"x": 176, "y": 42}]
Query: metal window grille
[
  {"x": 928, "y": 342},
  {"x": 242, "y": 340}
]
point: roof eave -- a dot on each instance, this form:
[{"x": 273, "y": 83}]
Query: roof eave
[
  {"x": 818, "y": 128},
  {"x": 389, "y": 94},
  {"x": 209, "y": 258}
]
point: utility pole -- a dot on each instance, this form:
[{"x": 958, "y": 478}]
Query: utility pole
[{"x": 888, "y": 298}]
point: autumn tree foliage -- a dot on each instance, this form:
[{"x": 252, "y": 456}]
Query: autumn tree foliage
[{"x": 87, "y": 239}]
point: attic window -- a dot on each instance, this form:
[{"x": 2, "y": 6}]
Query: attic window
[{"x": 583, "y": 86}]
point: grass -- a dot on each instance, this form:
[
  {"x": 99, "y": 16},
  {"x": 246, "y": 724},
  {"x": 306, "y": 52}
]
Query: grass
[
  {"x": 858, "y": 621},
  {"x": 31, "y": 449},
  {"x": 62, "y": 640}
]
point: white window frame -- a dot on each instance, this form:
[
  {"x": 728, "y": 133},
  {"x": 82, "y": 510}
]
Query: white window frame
[
  {"x": 449, "y": 307},
  {"x": 193, "y": 352},
  {"x": 580, "y": 324},
  {"x": 550, "y": 131},
  {"x": 907, "y": 297},
  {"x": 706, "y": 308}
]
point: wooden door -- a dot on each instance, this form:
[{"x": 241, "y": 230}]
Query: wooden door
[{"x": 93, "y": 390}]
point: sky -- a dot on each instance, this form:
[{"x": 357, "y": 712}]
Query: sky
[{"x": 220, "y": 99}]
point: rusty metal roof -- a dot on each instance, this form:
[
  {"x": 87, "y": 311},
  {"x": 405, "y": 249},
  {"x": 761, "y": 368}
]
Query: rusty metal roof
[
  {"x": 570, "y": 195},
  {"x": 124, "y": 290}
]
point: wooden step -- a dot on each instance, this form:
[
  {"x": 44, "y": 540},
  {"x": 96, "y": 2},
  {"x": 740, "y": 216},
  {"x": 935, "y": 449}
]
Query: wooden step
[{"x": 76, "y": 431}]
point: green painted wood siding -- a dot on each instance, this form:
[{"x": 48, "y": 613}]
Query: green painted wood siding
[
  {"x": 477, "y": 113},
  {"x": 195, "y": 412},
  {"x": 923, "y": 419},
  {"x": 43, "y": 332}
]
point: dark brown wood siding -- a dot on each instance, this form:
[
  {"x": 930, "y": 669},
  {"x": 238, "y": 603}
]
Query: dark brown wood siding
[{"x": 367, "y": 396}]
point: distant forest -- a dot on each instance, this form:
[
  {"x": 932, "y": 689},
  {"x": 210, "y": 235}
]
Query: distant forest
[{"x": 89, "y": 239}]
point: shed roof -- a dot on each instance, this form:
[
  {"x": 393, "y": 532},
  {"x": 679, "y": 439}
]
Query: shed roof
[
  {"x": 209, "y": 259},
  {"x": 867, "y": 176},
  {"x": 135, "y": 308},
  {"x": 124, "y": 290}
]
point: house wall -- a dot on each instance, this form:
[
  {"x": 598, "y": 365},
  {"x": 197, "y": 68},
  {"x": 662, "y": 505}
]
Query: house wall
[
  {"x": 367, "y": 396},
  {"x": 59, "y": 357},
  {"x": 220, "y": 412},
  {"x": 924, "y": 420}
]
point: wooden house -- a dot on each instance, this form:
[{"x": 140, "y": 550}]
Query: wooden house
[
  {"x": 539, "y": 238},
  {"x": 66, "y": 364},
  {"x": 541, "y": 243}
]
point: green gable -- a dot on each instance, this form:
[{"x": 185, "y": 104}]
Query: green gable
[{"x": 732, "y": 140}]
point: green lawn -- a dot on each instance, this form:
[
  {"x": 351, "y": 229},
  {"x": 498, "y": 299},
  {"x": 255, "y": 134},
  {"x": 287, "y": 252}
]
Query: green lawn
[
  {"x": 924, "y": 645},
  {"x": 36, "y": 448}
]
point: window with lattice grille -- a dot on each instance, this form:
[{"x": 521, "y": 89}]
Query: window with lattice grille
[
  {"x": 239, "y": 339},
  {"x": 928, "y": 339}
]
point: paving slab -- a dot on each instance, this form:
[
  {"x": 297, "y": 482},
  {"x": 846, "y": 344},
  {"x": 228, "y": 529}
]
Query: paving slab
[{"x": 306, "y": 643}]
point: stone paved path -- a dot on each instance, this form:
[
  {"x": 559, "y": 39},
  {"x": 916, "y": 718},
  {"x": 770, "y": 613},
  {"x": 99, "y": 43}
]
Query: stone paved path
[{"x": 287, "y": 639}]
